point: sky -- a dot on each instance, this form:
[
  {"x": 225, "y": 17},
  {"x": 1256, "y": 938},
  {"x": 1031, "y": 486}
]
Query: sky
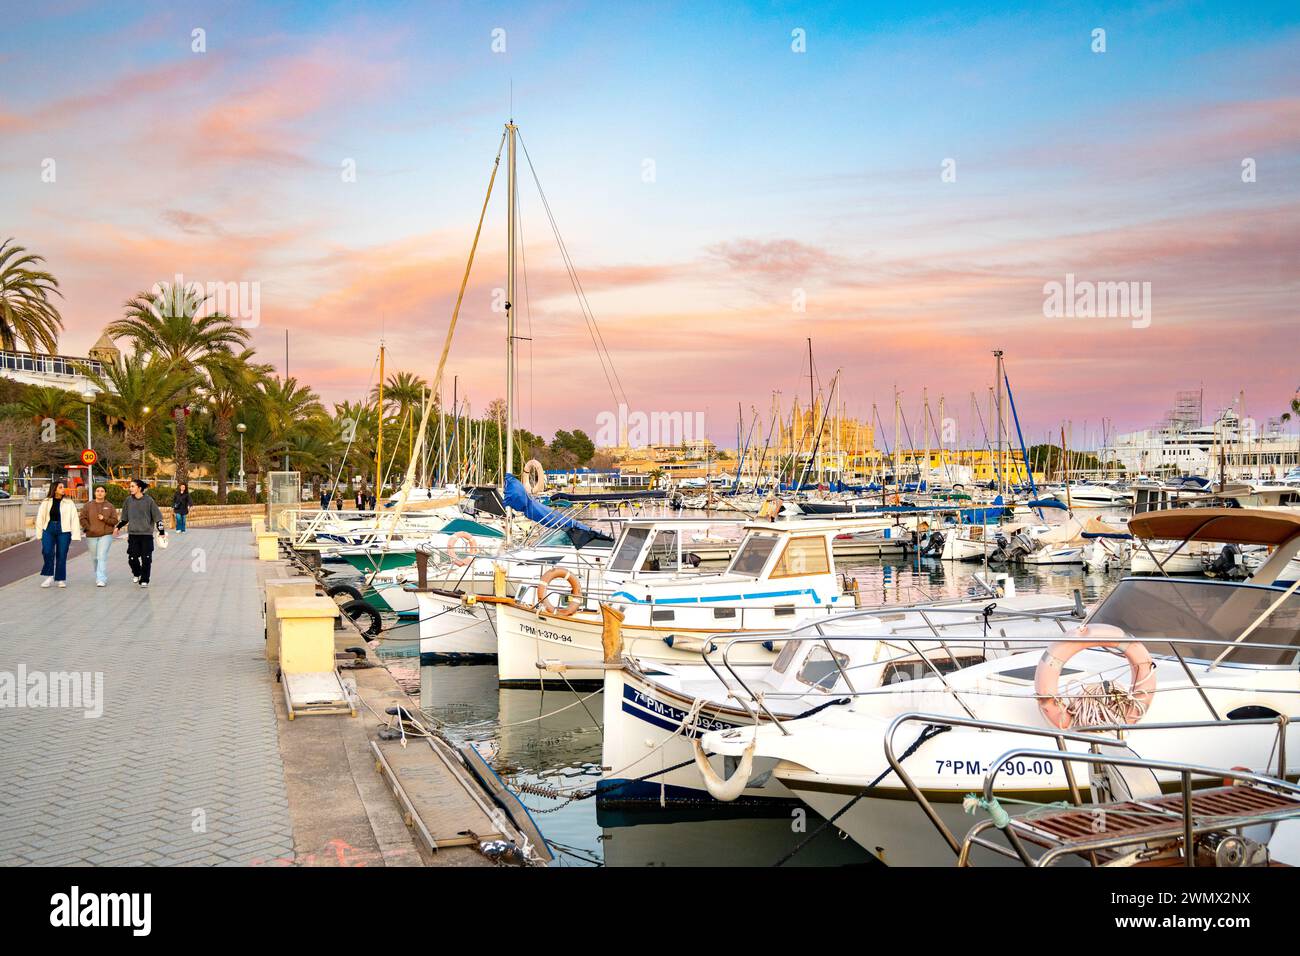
[{"x": 901, "y": 183}]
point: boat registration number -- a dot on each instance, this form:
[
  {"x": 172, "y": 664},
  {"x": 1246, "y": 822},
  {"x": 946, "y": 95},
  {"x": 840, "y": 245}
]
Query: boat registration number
[
  {"x": 544, "y": 634},
  {"x": 1012, "y": 768}
]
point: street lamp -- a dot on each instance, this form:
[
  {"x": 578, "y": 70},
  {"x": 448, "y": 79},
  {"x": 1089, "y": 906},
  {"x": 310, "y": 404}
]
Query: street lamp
[
  {"x": 241, "y": 428},
  {"x": 88, "y": 396}
]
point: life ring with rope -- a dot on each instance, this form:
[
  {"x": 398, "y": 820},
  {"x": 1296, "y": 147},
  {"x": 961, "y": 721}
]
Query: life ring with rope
[
  {"x": 1129, "y": 707},
  {"x": 572, "y": 601},
  {"x": 534, "y": 477},
  {"x": 462, "y": 558}
]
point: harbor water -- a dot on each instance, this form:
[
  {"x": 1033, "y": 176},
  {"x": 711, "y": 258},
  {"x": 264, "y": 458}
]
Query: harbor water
[{"x": 547, "y": 745}]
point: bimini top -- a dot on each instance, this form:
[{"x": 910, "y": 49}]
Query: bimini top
[{"x": 1222, "y": 525}]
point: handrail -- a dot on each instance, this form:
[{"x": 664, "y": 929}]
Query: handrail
[
  {"x": 1087, "y": 735},
  {"x": 1185, "y": 773}
]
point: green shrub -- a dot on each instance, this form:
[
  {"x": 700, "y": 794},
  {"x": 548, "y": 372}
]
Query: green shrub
[
  {"x": 116, "y": 494},
  {"x": 203, "y": 496},
  {"x": 236, "y": 497}
]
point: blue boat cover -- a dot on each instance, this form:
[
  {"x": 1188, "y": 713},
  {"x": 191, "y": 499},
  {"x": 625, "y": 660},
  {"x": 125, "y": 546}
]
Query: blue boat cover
[{"x": 518, "y": 498}]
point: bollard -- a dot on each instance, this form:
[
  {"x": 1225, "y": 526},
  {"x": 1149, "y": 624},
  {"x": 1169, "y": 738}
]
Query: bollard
[
  {"x": 306, "y": 634},
  {"x": 257, "y": 523},
  {"x": 268, "y": 546},
  {"x": 276, "y": 590}
]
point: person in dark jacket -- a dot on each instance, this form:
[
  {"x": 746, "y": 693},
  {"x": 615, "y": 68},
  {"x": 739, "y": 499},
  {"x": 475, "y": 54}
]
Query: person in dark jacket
[
  {"x": 361, "y": 499},
  {"x": 338, "y": 499},
  {"x": 325, "y": 499},
  {"x": 181, "y": 505},
  {"x": 141, "y": 517}
]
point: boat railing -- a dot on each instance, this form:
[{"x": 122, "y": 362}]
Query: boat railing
[
  {"x": 815, "y": 632},
  {"x": 1093, "y": 737},
  {"x": 1245, "y": 816}
]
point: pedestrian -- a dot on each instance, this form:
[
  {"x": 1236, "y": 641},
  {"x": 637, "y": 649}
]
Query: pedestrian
[
  {"x": 371, "y": 501},
  {"x": 338, "y": 499},
  {"x": 324, "y": 499},
  {"x": 57, "y": 524},
  {"x": 98, "y": 521},
  {"x": 181, "y": 505},
  {"x": 141, "y": 518},
  {"x": 361, "y": 499}
]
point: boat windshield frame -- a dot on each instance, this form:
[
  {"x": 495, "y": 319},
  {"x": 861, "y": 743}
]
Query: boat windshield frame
[{"x": 1154, "y": 608}]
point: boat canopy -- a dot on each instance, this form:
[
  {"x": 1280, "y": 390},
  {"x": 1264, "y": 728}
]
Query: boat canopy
[
  {"x": 518, "y": 498},
  {"x": 1219, "y": 525}
]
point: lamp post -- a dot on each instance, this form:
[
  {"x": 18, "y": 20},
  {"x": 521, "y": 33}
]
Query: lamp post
[
  {"x": 88, "y": 396},
  {"x": 241, "y": 428}
]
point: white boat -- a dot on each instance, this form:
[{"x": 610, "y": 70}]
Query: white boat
[
  {"x": 1196, "y": 651},
  {"x": 454, "y": 625},
  {"x": 783, "y": 571},
  {"x": 653, "y": 713}
]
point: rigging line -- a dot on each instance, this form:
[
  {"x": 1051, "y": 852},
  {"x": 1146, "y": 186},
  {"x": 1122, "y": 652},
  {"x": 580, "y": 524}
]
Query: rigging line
[
  {"x": 348, "y": 449},
  {"x": 598, "y": 339}
]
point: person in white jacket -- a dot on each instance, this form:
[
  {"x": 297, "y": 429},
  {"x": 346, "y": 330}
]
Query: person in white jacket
[{"x": 58, "y": 524}]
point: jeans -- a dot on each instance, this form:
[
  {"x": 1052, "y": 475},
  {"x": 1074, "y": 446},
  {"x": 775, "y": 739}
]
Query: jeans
[
  {"x": 98, "y": 548},
  {"x": 180, "y": 521},
  {"x": 139, "y": 554},
  {"x": 54, "y": 549}
]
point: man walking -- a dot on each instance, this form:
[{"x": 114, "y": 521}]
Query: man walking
[{"x": 141, "y": 518}]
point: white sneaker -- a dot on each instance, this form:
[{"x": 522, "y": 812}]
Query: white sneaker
[
  {"x": 63, "y": 584},
  {"x": 101, "y": 584},
  {"x": 47, "y": 582},
  {"x": 144, "y": 584},
  {"x": 135, "y": 580}
]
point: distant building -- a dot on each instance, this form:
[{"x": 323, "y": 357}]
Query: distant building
[{"x": 64, "y": 371}]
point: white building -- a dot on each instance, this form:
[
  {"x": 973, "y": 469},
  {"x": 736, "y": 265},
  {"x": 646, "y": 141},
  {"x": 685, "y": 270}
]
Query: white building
[
  {"x": 32, "y": 368},
  {"x": 1196, "y": 450}
]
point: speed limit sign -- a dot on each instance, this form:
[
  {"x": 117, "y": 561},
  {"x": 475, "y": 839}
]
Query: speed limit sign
[{"x": 88, "y": 457}]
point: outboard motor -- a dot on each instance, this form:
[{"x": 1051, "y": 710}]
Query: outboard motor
[
  {"x": 1227, "y": 564},
  {"x": 933, "y": 545}
]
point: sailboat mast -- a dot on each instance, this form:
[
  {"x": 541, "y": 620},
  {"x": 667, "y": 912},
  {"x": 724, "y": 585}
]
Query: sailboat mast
[
  {"x": 1002, "y": 470},
  {"x": 379, "y": 446},
  {"x": 512, "y": 191}
]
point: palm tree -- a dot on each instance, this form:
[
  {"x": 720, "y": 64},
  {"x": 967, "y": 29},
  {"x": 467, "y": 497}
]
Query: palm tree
[
  {"x": 51, "y": 403},
  {"x": 404, "y": 395},
  {"x": 232, "y": 381},
  {"x": 1294, "y": 411},
  {"x": 169, "y": 324},
  {"x": 289, "y": 406},
  {"x": 135, "y": 392},
  {"x": 355, "y": 429},
  {"x": 26, "y": 312}
]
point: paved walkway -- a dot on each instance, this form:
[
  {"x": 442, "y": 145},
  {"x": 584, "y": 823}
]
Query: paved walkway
[{"x": 184, "y": 764}]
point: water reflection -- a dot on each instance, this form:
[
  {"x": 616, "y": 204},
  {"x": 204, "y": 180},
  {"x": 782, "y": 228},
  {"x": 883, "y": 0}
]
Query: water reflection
[{"x": 547, "y": 745}]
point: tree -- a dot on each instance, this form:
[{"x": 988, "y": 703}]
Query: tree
[
  {"x": 26, "y": 312},
  {"x": 170, "y": 325},
  {"x": 571, "y": 449},
  {"x": 136, "y": 391},
  {"x": 232, "y": 380},
  {"x": 404, "y": 396},
  {"x": 1294, "y": 410}
]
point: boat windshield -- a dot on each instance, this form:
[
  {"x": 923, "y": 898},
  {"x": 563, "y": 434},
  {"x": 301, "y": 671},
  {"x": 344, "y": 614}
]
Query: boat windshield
[
  {"x": 628, "y": 548},
  {"x": 752, "y": 555},
  {"x": 1150, "y": 608}
]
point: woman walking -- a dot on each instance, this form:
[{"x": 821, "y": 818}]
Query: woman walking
[
  {"x": 57, "y": 524},
  {"x": 98, "y": 519},
  {"x": 181, "y": 505},
  {"x": 141, "y": 518}
]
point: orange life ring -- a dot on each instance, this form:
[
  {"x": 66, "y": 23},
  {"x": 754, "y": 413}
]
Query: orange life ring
[
  {"x": 465, "y": 557},
  {"x": 1047, "y": 676},
  {"x": 895, "y": 500},
  {"x": 572, "y": 601}
]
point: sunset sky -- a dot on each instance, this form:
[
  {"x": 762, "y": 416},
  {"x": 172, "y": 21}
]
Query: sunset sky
[{"x": 703, "y": 174}]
